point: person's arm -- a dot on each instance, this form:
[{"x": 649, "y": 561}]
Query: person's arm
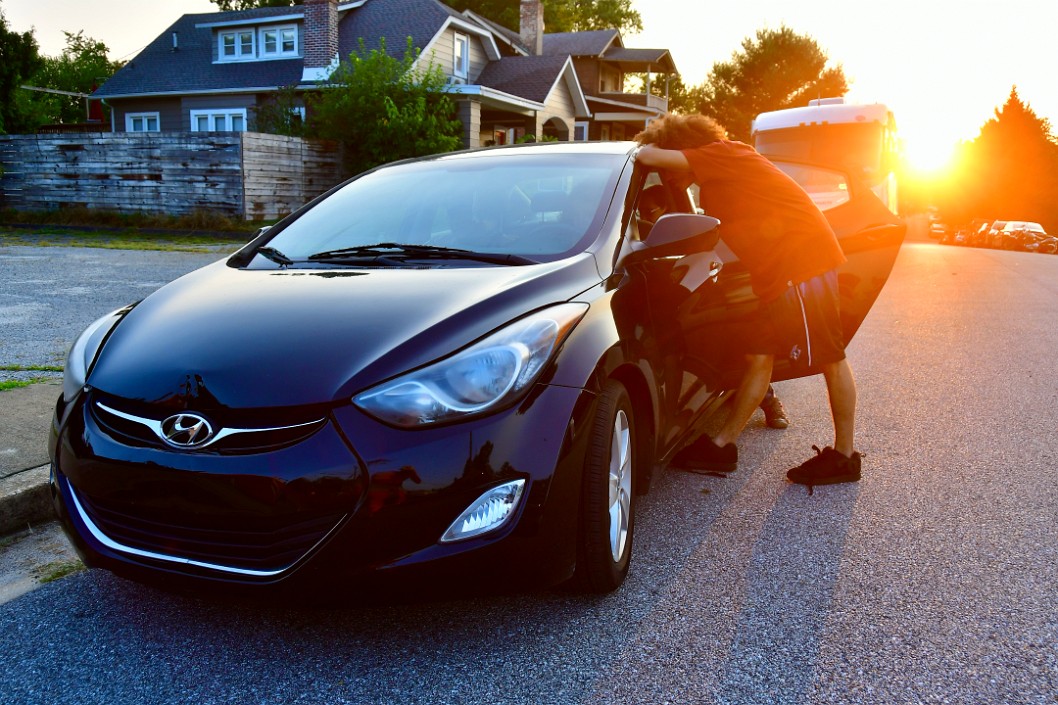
[{"x": 668, "y": 159}]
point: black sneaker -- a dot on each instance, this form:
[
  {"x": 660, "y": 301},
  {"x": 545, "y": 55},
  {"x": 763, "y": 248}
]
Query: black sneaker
[
  {"x": 828, "y": 467},
  {"x": 704, "y": 456}
]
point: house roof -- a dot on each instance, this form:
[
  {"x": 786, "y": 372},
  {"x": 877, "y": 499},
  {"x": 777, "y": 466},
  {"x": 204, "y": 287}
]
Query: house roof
[
  {"x": 642, "y": 60},
  {"x": 395, "y": 20},
  {"x": 160, "y": 69},
  {"x": 606, "y": 44},
  {"x": 507, "y": 36},
  {"x": 188, "y": 68},
  {"x": 592, "y": 43},
  {"x": 530, "y": 77}
]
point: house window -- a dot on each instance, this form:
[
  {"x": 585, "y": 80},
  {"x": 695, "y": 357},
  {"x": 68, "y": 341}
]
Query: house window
[
  {"x": 142, "y": 122},
  {"x": 236, "y": 45},
  {"x": 279, "y": 41},
  {"x": 218, "y": 120},
  {"x": 610, "y": 81},
  {"x": 461, "y": 63},
  {"x": 580, "y": 132}
]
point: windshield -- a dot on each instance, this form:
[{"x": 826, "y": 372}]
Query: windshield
[
  {"x": 541, "y": 207},
  {"x": 856, "y": 148}
]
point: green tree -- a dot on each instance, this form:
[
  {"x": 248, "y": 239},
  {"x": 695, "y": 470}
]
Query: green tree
[
  {"x": 19, "y": 59},
  {"x": 281, "y": 114},
  {"x": 229, "y": 5},
  {"x": 1009, "y": 171},
  {"x": 561, "y": 15},
  {"x": 776, "y": 70},
  {"x": 81, "y": 68},
  {"x": 382, "y": 109}
]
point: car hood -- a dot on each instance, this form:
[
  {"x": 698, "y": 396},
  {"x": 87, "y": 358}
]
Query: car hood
[{"x": 242, "y": 338}]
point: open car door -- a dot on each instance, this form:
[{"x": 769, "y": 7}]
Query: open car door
[{"x": 713, "y": 320}]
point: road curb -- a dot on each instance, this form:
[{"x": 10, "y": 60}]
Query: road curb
[{"x": 25, "y": 499}]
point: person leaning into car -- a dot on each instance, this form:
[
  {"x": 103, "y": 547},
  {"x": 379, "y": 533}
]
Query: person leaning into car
[{"x": 791, "y": 253}]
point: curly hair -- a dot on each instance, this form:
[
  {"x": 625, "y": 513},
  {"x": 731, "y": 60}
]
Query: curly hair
[{"x": 682, "y": 131}]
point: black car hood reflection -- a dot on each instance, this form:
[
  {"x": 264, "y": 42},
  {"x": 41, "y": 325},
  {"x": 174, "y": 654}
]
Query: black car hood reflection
[{"x": 243, "y": 338}]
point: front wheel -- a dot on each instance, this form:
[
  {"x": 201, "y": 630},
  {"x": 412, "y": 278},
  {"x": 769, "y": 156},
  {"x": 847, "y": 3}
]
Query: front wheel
[{"x": 607, "y": 519}]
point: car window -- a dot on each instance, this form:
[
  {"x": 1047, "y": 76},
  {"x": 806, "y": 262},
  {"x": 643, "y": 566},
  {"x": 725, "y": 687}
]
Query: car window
[
  {"x": 656, "y": 198},
  {"x": 540, "y": 206},
  {"x": 827, "y": 188}
]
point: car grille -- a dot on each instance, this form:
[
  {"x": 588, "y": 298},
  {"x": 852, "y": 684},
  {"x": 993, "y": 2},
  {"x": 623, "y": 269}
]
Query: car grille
[
  {"x": 137, "y": 425},
  {"x": 248, "y": 545}
]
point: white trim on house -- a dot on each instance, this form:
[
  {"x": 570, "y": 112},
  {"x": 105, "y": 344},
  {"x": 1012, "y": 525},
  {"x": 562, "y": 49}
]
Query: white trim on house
[
  {"x": 461, "y": 59},
  {"x": 238, "y": 45},
  {"x": 234, "y": 119},
  {"x": 488, "y": 41},
  {"x": 144, "y": 118},
  {"x": 569, "y": 73},
  {"x": 251, "y": 22},
  {"x": 259, "y": 43},
  {"x": 320, "y": 74},
  {"x": 281, "y": 41},
  {"x": 496, "y": 97}
]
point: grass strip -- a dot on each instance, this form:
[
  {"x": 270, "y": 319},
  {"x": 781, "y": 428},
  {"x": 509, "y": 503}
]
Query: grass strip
[{"x": 30, "y": 368}]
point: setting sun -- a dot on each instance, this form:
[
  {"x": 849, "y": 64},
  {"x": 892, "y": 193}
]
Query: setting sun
[{"x": 925, "y": 152}]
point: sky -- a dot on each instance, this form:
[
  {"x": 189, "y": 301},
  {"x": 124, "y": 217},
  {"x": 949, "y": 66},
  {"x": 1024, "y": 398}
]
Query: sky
[{"x": 942, "y": 66}]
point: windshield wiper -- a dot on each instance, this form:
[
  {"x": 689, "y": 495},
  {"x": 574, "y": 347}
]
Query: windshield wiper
[
  {"x": 394, "y": 250},
  {"x": 275, "y": 255}
]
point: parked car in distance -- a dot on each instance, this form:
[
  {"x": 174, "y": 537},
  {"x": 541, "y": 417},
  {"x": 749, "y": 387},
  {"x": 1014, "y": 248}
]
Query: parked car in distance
[
  {"x": 980, "y": 236},
  {"x": 457, "y": 371},
  {"x": 1021, "y": 234},
  {"x": 995, "y": 234},
  {"x": 1047, "y": 246}
]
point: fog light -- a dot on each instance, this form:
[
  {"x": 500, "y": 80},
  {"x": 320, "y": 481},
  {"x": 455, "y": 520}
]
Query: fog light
[{"x": 487, "y": 513}]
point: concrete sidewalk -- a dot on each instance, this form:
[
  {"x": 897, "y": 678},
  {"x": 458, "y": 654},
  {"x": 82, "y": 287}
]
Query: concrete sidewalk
[{"x": 25, "y": 418}]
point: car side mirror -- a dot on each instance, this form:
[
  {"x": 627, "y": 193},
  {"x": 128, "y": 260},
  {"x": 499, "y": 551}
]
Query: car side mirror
[{"x": 676, "y": 235}]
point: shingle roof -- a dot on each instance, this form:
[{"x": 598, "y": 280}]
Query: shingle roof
[
  {"x": 525, "y": 76},
  {"x": 592, "y": 43},
  {"x": 396, "y": 20},
  {"x": 508, "y": 35},
  {"x": 640, "y": 59},
  {"x": 158, "y": 68},
  {"x": 190, "y": 69}
]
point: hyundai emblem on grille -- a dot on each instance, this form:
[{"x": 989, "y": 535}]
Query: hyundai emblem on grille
[{"x": 186, "y": 430}]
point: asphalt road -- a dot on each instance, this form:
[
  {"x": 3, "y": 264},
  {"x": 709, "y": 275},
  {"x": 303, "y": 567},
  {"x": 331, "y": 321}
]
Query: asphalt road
[
  {"x": 933, "y": 580},
  {"x": 48, "y": 295}
]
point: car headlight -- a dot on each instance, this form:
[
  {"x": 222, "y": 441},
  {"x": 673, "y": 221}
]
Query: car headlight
[
  {"x": 478, "y": 379},
  {"x": 83, "y": 353}
]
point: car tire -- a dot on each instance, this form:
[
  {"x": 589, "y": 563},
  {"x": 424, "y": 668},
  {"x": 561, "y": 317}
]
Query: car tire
[{"x": 607, "y": 508}]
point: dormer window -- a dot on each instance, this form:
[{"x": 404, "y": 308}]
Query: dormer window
[
  {"x": 237, "y": 45},
  {"x": 279, "y": 41},
  {"x": 250, "y": 44}
]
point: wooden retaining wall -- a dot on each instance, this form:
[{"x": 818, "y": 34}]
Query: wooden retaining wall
[{"x": 242, "y": 175}]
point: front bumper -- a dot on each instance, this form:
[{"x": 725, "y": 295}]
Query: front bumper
[{"x": 354, "y": 504}]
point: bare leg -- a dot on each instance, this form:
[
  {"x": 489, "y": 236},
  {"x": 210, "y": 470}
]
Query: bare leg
[
  {"x": 842, "y": 389},
  {"x": 748, "y": 397}
]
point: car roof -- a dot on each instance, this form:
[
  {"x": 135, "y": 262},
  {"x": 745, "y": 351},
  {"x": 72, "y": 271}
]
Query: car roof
[{"x": 614, "y": 148}]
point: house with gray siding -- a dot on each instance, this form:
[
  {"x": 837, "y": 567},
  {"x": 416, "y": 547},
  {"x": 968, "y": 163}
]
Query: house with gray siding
[{"x": 211, "y": 72}]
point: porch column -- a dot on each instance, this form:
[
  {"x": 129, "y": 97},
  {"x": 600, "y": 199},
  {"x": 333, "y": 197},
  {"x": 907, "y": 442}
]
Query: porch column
[{"x": 469, "y": 113}]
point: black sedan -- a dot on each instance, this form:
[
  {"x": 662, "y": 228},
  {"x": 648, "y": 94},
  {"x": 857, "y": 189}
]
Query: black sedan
[{"x": 463, "y": 368}]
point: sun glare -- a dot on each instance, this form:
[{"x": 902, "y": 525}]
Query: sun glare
[{"x": 928, "y": 154}]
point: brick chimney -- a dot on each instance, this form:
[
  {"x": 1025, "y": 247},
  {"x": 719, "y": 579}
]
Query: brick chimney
[
  {"x": 531, "y": 26},
  {"x": 321, "y": 38}
]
